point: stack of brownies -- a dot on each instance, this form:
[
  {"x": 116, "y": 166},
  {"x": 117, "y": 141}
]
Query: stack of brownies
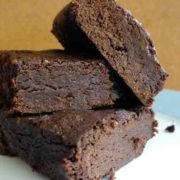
[{"x": 83, "y": 112}]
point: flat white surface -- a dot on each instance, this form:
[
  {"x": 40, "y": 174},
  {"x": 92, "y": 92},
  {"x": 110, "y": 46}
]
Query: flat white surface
[{"x": 160, "y": 160}]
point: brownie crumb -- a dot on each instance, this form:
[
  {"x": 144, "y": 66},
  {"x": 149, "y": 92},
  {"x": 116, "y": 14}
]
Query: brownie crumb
[{"x": 170, "y": 129}]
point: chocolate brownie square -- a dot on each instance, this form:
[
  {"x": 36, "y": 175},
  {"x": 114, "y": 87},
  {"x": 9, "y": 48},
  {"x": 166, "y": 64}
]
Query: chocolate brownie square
[
  {"x": 105, "y": 27},
  {"x": 48, "y": 81},
  {"x": 73, "y": 144}
]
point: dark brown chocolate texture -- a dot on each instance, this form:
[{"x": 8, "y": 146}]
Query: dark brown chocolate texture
[
  {"x": 48, "y": 81},
  {"x": 3, "y": 147},
  {"x": 79, "y": 144},
  {"x": 105, "y": 27},
  {"x": 79, "y": 114}
]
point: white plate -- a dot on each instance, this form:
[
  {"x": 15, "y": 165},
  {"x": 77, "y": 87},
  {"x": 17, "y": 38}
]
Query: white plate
[{"x": 160, "y": 160}]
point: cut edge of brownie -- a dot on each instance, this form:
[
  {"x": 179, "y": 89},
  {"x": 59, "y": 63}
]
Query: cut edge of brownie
[
  {"x": 79, "y": 148},
  {"x": 80, "y": 26},
  {"x": 3, "y": 144},
  {"x": 116, "y": 92},
  {"x": 6, "y": 87}
]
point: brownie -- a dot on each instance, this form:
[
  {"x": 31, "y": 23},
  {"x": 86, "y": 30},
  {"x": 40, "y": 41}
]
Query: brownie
[
  {"x": 79, "y": 144},
  {"x": 3, "y": 146},
  {"x": 103, "y": 26},
  {"x": 48, "y": 81}
]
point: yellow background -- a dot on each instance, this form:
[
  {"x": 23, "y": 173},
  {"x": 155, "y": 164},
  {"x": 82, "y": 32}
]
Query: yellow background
[{"x": 26, "y": 24}]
